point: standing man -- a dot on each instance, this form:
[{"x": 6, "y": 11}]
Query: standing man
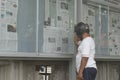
[{"x": 85, "y": 62}]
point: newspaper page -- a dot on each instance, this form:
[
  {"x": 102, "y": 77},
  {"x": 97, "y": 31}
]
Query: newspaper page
[
  {"x": 114, "y": 32},
  {"x": 8, "y": 19}
]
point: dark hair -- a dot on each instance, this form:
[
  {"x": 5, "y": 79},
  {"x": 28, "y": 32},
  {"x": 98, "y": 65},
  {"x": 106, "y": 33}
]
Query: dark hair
[{"x": 81, "y": 28}]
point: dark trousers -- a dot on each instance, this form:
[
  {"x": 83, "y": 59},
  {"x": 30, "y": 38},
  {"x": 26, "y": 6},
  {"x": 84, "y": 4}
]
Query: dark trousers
[{"x": 89, "y": 73}]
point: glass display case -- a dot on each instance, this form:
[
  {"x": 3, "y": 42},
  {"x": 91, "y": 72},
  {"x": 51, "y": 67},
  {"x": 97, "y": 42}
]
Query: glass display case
[
  {"x": 37, "y": 26},
  {"x": 103, "y": 19}
]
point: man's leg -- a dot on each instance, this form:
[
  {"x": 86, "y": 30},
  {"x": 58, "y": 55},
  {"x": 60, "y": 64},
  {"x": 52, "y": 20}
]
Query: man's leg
[{"x": 89, "y": 73}]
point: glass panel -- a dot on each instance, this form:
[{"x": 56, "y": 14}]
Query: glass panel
[
  {"x": 26, "y": 26},
  {"x": 58, "y": 26},
  {"x": 101, "y": 30},
  {"x": 96, "y": 16},
  {"x": 20, "y": 32},
  {"x": 114, "y": 33},
  {"x": 18, "y": 25},
  {"x": 104, "y": 30}
]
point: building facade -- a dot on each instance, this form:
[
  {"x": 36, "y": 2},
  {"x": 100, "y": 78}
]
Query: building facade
[{"x": 36, "y": 38}]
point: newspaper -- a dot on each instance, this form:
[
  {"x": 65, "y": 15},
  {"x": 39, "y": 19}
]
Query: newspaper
[{"x": 8, "y": 24}]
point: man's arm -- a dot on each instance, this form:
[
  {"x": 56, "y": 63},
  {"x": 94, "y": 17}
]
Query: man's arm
[
  {"x": 77, "y": 41},
  {"x": 82, "y": 67}
]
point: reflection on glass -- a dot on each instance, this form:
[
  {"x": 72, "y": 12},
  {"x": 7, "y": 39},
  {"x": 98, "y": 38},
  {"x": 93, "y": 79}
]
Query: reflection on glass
[
  {"x": 97, "y": 20},
  {"x": 107, "y": 30},
  {"x": 26, "y": 26},
  {"x": 104, "y": 30}
]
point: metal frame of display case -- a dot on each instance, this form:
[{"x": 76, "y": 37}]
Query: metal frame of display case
[{"x": 61, "y": 57}]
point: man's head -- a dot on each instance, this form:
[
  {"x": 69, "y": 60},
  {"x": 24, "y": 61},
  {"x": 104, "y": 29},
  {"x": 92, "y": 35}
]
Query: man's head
[{"x": 81, "y": 30}]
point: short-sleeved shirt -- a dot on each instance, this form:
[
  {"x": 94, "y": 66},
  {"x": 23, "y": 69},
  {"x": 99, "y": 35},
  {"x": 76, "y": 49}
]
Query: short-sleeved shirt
[{"x": 86, "y": 49}]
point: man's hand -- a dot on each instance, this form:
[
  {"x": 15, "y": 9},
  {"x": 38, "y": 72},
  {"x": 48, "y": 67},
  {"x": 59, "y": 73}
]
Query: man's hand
[
  {"x": 80, "y": 76},
  {"x": 76, "y": 40}
]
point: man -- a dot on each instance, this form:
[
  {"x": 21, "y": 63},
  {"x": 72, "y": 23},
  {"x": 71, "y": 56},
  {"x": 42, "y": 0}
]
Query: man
[{"x": 85, "y": 63}]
